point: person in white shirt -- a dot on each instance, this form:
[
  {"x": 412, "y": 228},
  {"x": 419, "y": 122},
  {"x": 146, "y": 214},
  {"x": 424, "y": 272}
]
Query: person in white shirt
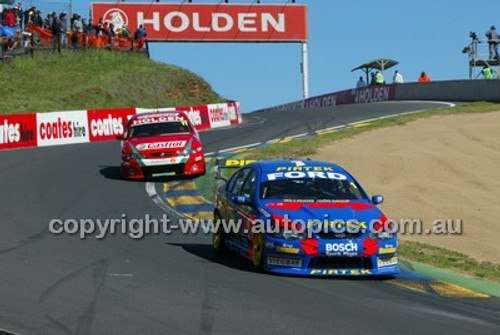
[
  {"x": 361, "y": 83},
  {"x": 398, "y": 78}
]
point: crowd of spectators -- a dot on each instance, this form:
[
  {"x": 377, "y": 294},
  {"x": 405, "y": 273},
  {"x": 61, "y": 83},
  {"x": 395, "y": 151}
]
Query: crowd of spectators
[{"x": 25, "y": 22}]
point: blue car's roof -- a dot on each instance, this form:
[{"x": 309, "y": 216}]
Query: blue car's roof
[{"x": 272, "y": 169}]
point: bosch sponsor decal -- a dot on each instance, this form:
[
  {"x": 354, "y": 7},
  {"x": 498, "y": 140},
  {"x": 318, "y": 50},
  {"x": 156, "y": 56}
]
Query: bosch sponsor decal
[
  {"x": 62, "y": 128},
  {"x": 384, "y": 262},
  {"x": 341, "y": 249},
  {"x": 209, "y": 22},
  {"x": 17, "y": 131},
  {"x": 287, "y": 262},
  {"x": 218, "y": 115},
  {"x": 161, "y": 145},
  {"x": 108, "y": 123}
]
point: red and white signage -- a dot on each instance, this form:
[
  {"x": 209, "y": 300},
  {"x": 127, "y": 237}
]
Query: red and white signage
[
  {"x": 198, "y": 115},
  {"x": 62, "y": 128},
  {"x": 209, "y": 22},
  {"x": 45, "y": 129},
  {"x": 218, "y": 115},
  {"x": 18, "y": 131},
  {"x": 106, "y": 124}
]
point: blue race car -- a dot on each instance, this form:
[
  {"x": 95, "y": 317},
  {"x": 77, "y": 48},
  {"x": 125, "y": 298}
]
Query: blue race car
[{"x": 303, "y": 217}]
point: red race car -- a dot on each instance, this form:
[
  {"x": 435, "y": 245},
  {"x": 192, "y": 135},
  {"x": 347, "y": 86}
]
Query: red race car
[{"x": 161, "y": 145}]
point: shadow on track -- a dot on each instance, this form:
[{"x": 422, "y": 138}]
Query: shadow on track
[
  {"x": 111, "y": 172},
  {"x": 235, "y": 261},
  {"x": 114, "y": 173},
  {"x": 207, "y": 254}
]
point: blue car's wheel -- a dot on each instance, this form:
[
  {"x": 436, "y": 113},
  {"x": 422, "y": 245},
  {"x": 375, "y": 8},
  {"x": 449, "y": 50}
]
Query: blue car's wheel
[
  {"x": 258, "y": 252},
  {"x": 218, "y": 238}
]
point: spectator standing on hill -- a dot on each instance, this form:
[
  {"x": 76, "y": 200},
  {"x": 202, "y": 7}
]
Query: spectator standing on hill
[
  {"x": 424, "y": 78},
  {"x": 487, "y": 73},
  {"x": 398, "y": 78},
  {"x": 77, "y": 24},
  {"x": 18, "y": 11},
  {"x": 87, "y": 27},
  {"x": 361, "y": 83},
  {"x": 37, "y": 19},
  {"x": 111, "y": 32},
  {"x": 46, "y": 24},
  {"x": 379, "y": 78},
  {"x": 105, "y": 29},
  {"x": 63, "y": 28},
  {"x": 75, "y": 39},
  {"x": 10, "y": 19},
  {"x": 140, "y": 33},
  {"x": 125, "y": 33},
  {"x": 56, "y": 32},
  {"x": 493, "y": 40}
]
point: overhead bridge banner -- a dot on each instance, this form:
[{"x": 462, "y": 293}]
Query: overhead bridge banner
[{"x": 209, "y": 22}]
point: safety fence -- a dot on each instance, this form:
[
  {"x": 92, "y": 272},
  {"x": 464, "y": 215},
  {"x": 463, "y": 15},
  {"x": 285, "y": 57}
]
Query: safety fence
[
  {"x": 72, "y": 127},
  {"x": 37, "y": 39}
]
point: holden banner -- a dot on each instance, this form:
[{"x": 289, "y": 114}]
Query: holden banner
[{"x": 209, "y": 22}]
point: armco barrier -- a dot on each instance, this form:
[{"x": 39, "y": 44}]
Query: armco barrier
[
  {"x": 71, "y": 127},
  {"x": 353, "y": 96},
  {"x": 453, "y": 90}
]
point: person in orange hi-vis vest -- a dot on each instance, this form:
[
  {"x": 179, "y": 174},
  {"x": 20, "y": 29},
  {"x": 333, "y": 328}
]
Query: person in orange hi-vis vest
[{"x": 424, "y": 78}]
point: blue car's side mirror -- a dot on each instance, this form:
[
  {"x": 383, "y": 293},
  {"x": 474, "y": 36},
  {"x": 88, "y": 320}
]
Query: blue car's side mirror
[
  {"x": 377, "y": 199},
  {"x": 241, "y": 199}
]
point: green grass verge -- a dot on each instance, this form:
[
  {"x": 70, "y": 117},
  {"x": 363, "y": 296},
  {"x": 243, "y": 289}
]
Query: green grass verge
[
  {"x": 450, "y": 260},
  {"x": 304, "y": 147},
  {"x": 97, "y": 79}
]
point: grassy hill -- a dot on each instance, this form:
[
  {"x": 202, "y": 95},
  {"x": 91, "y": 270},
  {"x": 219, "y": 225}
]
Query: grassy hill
[{"x": 97, "y": 79}]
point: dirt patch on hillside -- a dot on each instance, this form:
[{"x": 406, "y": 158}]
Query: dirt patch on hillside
[{"x": 444, "y": 167}]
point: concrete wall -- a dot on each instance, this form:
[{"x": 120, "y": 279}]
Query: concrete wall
[{"x": 455, "y": 90}]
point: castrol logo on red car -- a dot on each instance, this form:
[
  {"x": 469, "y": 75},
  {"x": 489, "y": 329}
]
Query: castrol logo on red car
[
  {"x": 17, "y": 131},
  {"x": 62, "y": 128},
  {"x": 106, "y": 124},
  {"x": 161, "y": 145}
]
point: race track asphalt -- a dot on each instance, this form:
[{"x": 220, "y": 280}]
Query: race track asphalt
[{"x": 174, "y": 284}]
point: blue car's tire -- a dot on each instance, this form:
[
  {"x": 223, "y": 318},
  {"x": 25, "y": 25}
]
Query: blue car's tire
[
  {"x": 218, "y": 237},
  {"x": 258, "y": 252}
]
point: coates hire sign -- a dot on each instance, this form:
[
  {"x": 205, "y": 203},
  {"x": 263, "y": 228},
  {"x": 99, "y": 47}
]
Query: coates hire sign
[{"x": 209, "y": 22}]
